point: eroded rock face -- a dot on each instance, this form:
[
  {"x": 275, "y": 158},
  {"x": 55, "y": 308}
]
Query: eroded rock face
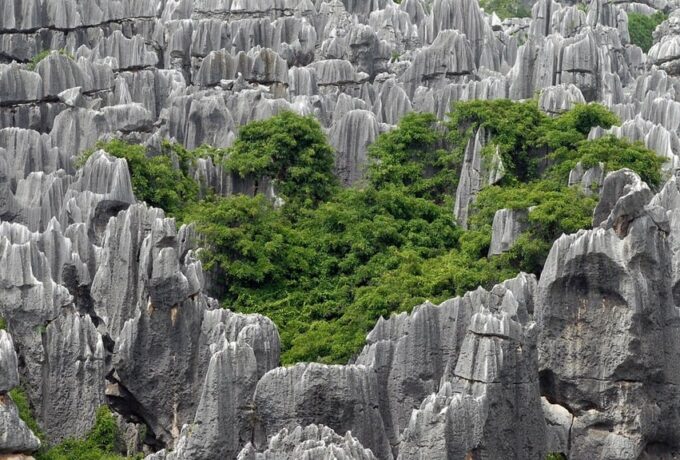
[
  {"x": 508, "y": 225},
  {"x": 340, "y": 397},
  {"x": 665, "y": 53},
  {"x": 9, "y": 373},
  {"x": 610, "y": 293},
  {"x": 310, "y": 442},
  {"x": 492, "y": 406},
  {"x": 413, "y": 355},
  {"x": 477, "y": 172}
]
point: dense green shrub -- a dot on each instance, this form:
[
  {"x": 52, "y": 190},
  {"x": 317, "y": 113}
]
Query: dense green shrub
[
  {"x": 292, "y": 151},
  {"x": 513, "y": 125},
  {"x": 415, "y": 156},
  {"x": 641, "y": 27},
  {"x": 556, "y": 456},
  {"x": 3, "y": 323}
]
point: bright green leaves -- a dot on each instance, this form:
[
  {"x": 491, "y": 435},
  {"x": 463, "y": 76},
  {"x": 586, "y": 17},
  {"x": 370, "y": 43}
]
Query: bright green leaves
[
  {"x": 290, "y": 149},
  {"x": 641, "y": 27}
]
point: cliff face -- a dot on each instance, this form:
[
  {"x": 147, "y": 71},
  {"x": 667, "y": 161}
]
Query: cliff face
[{"x": 105, "y": 300}]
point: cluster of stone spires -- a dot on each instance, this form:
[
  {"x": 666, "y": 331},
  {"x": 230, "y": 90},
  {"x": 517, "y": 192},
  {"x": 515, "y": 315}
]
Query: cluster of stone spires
[{"x": 106, "y": 301}]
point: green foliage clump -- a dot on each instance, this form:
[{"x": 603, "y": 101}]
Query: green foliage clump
[
  {"x": 250, "y": 242},
  {"x": 615, "y": 153},
  {"x": 641, "y": 27},
  {"x": 556, "y": 456},
  {"x": 162, "y": 181},
  {"x": 513, "y": 126},
  {"x": 20, "y": 399},
  {"x": 35, "y": 60},
  {"x": 506, "y": 8},
  {"x": 304, "y": 273},
  {"x": 3, "y": 323},
  {"x": 523, "y": 133},
  {"x": 100, "y": 444},
  {"x": 292, "y": 151},
  {"x": 415, "y": 157},
  {"x": 555, "y": 209}
]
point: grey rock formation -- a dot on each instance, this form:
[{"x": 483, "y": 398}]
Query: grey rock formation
[
  {"x": 103, "y": 295},
  {"x": 427, "y": 344},
  {"x": 558, "y": 99},
  {"x": 613, "y": 282},
  {"x": 310, "y": 443},
  {"x": 223, "y": 421},
  {"x": 340, "y": 397},
  {"x": 166, "y": 317},
  {"x": 495, "y": 369},
  {"x": 476, "y": 173},
  {"x": 508, "y": 225},
  {"x": 665, "y": 53},
  {"x": 73, "y": 376},
  {"x": 351, "y": 136},
  {"x": 15, "y": 436},
  {"x": 9, "y": 375},
  {"x": 590, "y": 180},
  {"x": 622, "y": 200}
]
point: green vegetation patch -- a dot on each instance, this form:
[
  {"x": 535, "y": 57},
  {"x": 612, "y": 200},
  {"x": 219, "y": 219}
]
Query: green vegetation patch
[
  {"x": 35, "y": 60},
  {"x": 506, "y": 8},
  {"x": 641, "y": 27},
  {"x": 330, "y": 262},
  {"x": 100, "y": 444}
]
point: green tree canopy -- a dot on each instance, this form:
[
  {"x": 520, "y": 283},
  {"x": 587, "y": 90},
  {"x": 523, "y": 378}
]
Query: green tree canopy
[{"x": 290, "y": 149}]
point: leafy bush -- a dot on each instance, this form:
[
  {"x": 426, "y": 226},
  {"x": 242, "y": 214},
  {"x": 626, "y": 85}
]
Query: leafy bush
[
  {"x": 3, "y": 323},
  {"x": 416, "y": 157},
  {"x": 292, "y": 151},
  {"x": 556, "y": 456},
  {"x": 513, "y": 126},
  {"x": 615, "y": 153},
  {"x": 641, "y": 27}
]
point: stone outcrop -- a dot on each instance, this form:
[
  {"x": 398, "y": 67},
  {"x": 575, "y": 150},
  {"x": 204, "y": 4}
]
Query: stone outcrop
[
  {"x": 608, "y": 291},
  {"x": 476, "y": 173},
  {"x": 665, "y": 53},
  {"x": 508, "y": 225},
  {"x": 340, "y": 397},
  {"x": 492, "y": 407},
  {"x": 310, "y": 442}
]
